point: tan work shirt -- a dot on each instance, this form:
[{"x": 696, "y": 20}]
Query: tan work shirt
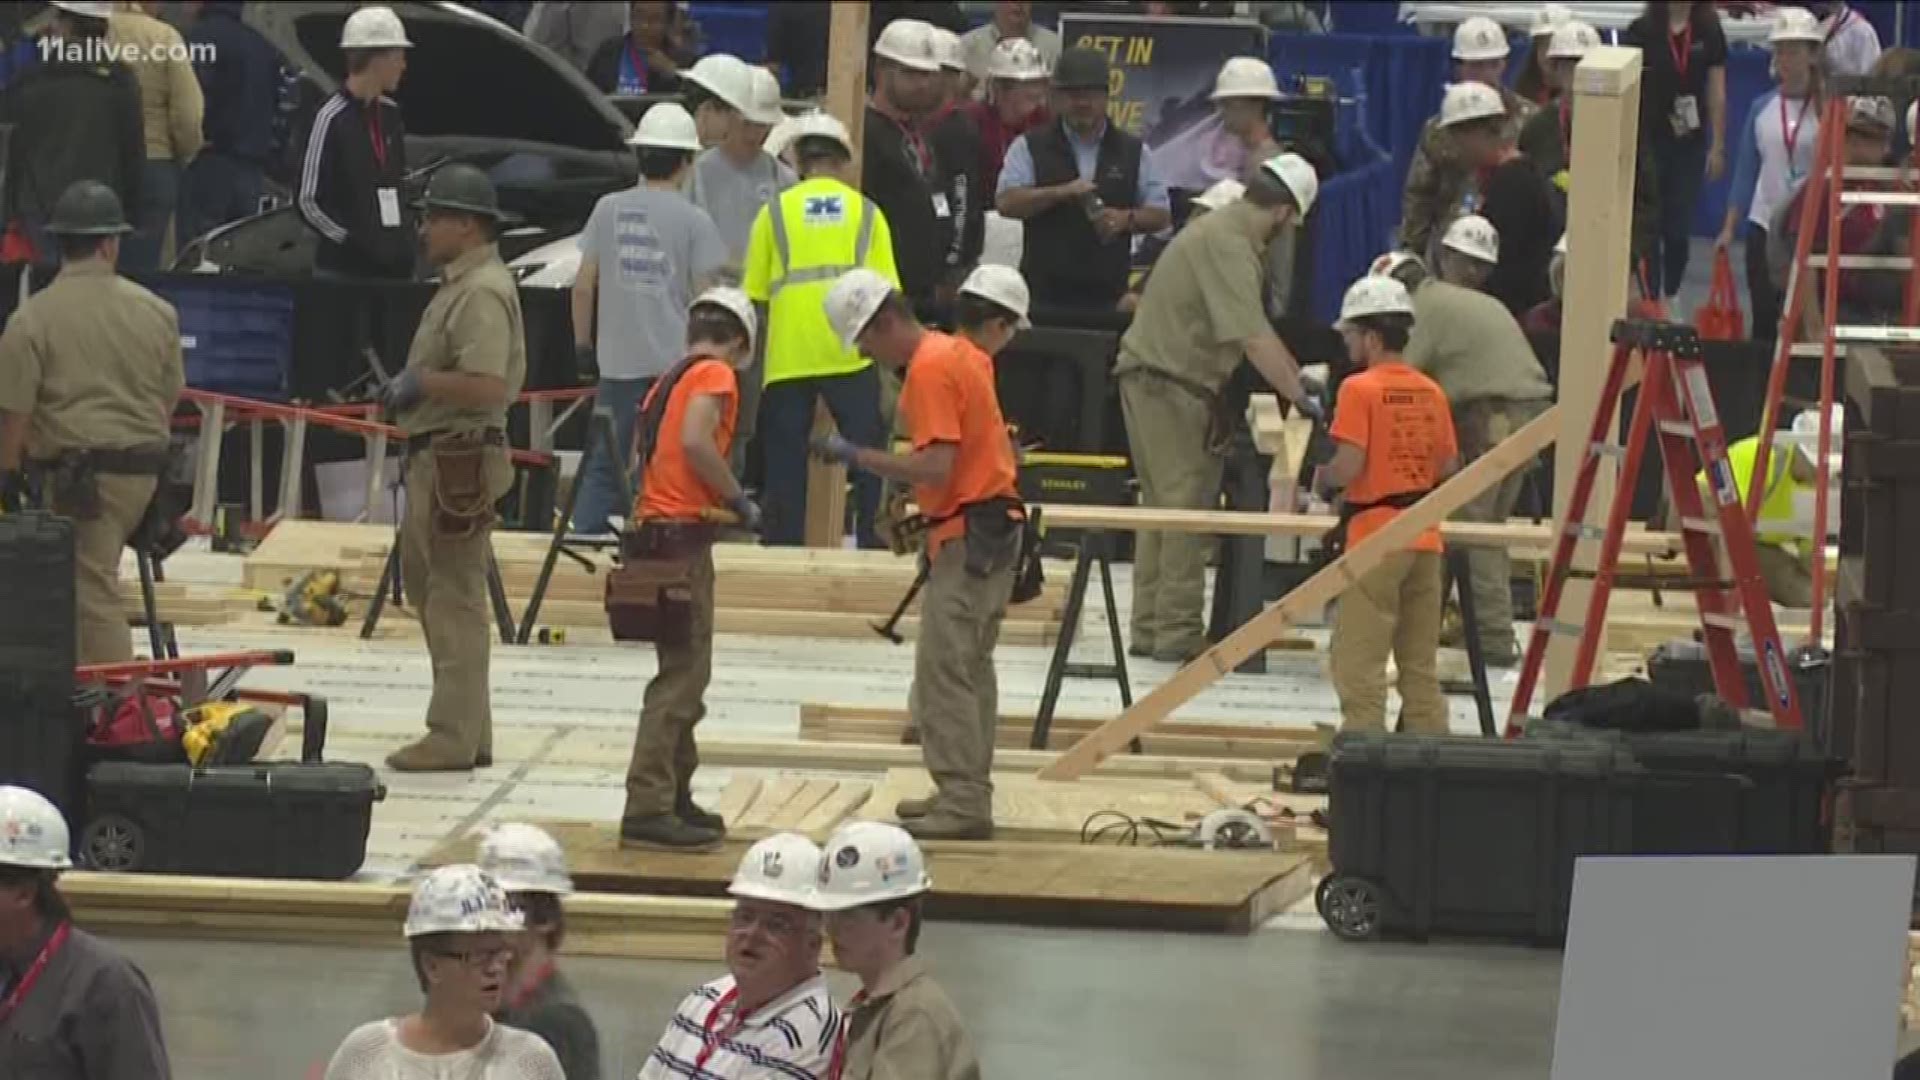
[
  {"x": 471, "y": 325},
  {"x": 907, "y": 1029},
  {"x": 95, "y": 360},
  {"x": 1204, "y": 300},
  {"x": 1469, "y": 343},
  {"x": 171, "y": 105}
]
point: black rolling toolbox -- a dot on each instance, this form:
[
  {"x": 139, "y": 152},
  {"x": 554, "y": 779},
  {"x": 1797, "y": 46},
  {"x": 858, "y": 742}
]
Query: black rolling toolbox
[
  {"x": 305, "y": 819},
  {"x": 40, "y": 730},
  {"x": 1458, "y": 834}
]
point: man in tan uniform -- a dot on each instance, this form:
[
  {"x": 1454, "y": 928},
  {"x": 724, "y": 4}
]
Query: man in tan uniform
[
  {"x": 466, "y": 366},
  {"x": 89, "y": 371},
  {"x": 1201, "y": 312}
]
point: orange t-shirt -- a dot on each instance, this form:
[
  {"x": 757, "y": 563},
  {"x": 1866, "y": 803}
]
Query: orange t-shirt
[
  {"x": 671, "y": 490},
  {"x": 949, "y": 397},
  {"x": 1401, "y": 419}
]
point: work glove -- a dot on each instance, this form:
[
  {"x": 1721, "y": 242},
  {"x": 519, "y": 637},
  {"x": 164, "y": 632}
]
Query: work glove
[
  {"x": 835, "y": 449},
  {"x": 586, "y": 363},
  {"x": 402, "y": 392},
  {"x": 1313, "y": 388},
  {"x": 1311, "y": 407},
  {"x": 746, "y": 510},
  {"x": 13, "y": 491}
]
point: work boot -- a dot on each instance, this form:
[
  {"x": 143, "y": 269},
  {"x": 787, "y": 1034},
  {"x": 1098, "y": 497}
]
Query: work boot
[
  {"x": 694, "y": 814},
  {"x": 912, "y": 808},
  {"x": 667, "y": 832},
  {"x": 946, "y": 825},
  {"x": 431, "y": 754}
]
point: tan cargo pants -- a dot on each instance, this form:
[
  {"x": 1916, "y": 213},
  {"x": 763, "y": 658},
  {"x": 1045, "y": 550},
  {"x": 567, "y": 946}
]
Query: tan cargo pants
[
  {"x": 1394, "y": 609},
  {"x": 445, "y": 580},
  {"x": 1167, "y": 434},
  {"x": 955, "y": 700},
  {"x": 101, "y": 630},
  {"x": 664, "y": 754},
  {"x": 1788, "y": 574},
  {"x": 1479, "y": 426}
]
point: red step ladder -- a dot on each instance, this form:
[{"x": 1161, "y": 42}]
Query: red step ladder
[{"x": 1675, "y": 404}]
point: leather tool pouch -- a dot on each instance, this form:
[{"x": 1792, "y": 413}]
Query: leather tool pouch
[
  {"x": 71, "y": 485},
  {"x": 160, "y": 533},
  {"x": 1029, "y": 576},
  {"x": 650, "y": 594},
  {"x": 462, "y": 503},
  {"x": 994, "y": 528}
]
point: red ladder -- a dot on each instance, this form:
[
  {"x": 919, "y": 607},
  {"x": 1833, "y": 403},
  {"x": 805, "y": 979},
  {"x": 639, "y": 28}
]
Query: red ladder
[{"x": 1676, "y": 404}]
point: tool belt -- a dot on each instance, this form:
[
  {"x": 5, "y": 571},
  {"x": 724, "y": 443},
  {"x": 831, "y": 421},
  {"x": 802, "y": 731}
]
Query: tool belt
[
  {"x": 649, "y": 595},
  {"x": 1333, "y": 543},
  {"x": 70, "y": 480},
  {"x": 462, "y": 500}
]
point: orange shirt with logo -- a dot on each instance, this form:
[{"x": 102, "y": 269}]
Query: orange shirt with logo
[
  {"x": 1400, "y": 418},
  {"x": 948, "y": 397},
  {"x": 670, "y": 489}
]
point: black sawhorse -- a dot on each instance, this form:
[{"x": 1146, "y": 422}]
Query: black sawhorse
[
  {"x": 1095, "y": 546},
  {"x": 600, "y": 437},
  {"x": 391, "y": 584}
]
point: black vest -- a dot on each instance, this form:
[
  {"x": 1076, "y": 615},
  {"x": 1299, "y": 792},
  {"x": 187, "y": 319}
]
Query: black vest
[{"x": 1064, "y": 260}]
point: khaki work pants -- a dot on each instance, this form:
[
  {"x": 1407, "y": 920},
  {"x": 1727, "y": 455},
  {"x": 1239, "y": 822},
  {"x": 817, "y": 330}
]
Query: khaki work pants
[
  {"x": 1479, "y": 426},
  {"x": 1167, "y": 433},
  {"x": 1394, "y": 609},
  {"x": 955, "y": 700},
  {"x": 445, "y": 580},
  {"x": 664, "y": 754},
  {"x": 1788, "y": 575},
  {"x": 100, "y": 618}
]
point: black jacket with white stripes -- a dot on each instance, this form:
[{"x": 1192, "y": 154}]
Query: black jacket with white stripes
[{"x": 341, "y": 177}]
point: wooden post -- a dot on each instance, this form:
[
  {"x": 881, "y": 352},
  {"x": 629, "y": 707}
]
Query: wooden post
[
  {"x": 1606, "y": 129},
  {"x": 846, "y": 98}
]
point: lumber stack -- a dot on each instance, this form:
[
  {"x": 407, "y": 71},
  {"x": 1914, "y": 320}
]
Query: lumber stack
[
  {"x": 187, "y": 604},
  {"x": 781, "y": 591},
  {"x": 1271, "y": 746}
]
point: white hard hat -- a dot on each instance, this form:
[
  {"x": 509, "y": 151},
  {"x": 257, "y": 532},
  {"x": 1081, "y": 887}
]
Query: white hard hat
[
  {"x": 373, "y": 28},
  {"x": 1479, "y": 38},
  {"x": 782, "y": 868},
  {"x": 1298, "y": 174},
  {"x": 1550, "y": 17},
  {"x": 1877, "y": 111},
  {"x": 1389, "y": 264},
  {"x": 946, "y": 46},
  {"x": 735, "y": 301},
  {"x": 870, "y": 862},
  {"x": 1475, "y": 236},
  {"x": 1374, "y": 294},
  {"x": 461, "y": 899},
  {"x": 909, "y": 42},
  {"x": 84, "y": 8},
  {"x": 1245, "y": 77},
  {"x": 853, "y": 300},
  {"x": 780, "y": 136},
  {"x": 1807, "y": 424},
  {"x": 666, "y": 126},
  {"x": 763, "y": 97},
  {"x": 1560, "y": 245},
  {"x": 820, "y": 125},
  {"x": 1017, "y": 59},
  {"x": 1468, "y": 101},
  {"x": 1795, "y": 24},
  {"x": 1573, "y": 41},
  {"x": 726, "y": 77},
  {"x": 1223, "y": 193},
  {"x": 33, "y": 834},
  {"x": 523, "y": 858},
  {"x": 1003, "y": 285}
]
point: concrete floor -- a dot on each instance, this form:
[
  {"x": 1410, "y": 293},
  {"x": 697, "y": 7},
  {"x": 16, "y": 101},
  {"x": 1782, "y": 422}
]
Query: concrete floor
[{"x": 1281, "y": 1005}]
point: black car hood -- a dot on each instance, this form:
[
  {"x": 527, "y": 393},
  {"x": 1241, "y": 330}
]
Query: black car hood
[{"x": 468, "y": 76}]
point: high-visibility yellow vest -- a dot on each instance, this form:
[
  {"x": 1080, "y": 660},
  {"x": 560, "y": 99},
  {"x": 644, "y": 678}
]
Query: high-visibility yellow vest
[
  {"x": 1777, "y": 503},
  {"x": 802, "y": 242}
]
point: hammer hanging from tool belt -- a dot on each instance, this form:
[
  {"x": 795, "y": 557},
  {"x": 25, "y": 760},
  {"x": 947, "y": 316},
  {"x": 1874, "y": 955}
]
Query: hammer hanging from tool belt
[
  {"x": 69, "y": 479},
  {"x": 1333, "y": 542},
  {"x": 462, "y": 500}
]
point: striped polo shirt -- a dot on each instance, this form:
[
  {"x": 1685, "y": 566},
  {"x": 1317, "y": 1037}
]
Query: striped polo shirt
[{"x": 790, "y": 1038}]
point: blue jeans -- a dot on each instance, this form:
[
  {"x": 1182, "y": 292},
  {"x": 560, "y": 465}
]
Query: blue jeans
[
  {"x": 786, "y": 424},
  {"x": 1680, "y": 167},
  {"x": 599, "y": 490},
  {"x": 218, "y": 189},
  {"x": 159, "y": 190}
]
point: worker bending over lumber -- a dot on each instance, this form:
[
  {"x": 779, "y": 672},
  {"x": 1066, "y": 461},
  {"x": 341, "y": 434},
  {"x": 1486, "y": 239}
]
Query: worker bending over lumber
[
  {"x": 686, "y": 432},
  {"x": 72, "y": 1008},
  {"x": 530, "y": 865},
  {"x": 1394, "y": 443},
  {"x": 962, "y": 470},
  {"x": 1782, "y": 534}
]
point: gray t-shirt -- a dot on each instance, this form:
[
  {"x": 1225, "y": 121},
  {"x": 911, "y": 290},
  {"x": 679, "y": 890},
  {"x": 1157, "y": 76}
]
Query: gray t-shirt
[
  {"x": 651, "y": 247},
  {"x": 733, "y": 196}
]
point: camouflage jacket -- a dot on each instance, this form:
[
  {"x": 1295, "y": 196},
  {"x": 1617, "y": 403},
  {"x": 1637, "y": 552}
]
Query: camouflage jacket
[{"x": 1438, "y": 187}]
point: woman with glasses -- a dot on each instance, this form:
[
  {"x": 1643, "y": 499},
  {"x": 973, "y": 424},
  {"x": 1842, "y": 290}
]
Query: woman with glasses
[{"x": 459, "y": 928}]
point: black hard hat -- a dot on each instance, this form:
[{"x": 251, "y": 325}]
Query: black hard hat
[
  {"x": 464, "y": 188},
  {"x": 1080, "y": 68},
  {"x": 88, "y": 208}
]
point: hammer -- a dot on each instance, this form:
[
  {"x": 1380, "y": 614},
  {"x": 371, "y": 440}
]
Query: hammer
[{"x": 887, "y": 629}]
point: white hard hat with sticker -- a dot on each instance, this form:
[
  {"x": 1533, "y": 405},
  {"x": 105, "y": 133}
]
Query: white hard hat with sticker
[
  {"x": 33, "y": 833},
  {"x": 763, "y": 96},
  {"x": 461, "y": 899},
  {"x": 1002, "y": 285},
  {"x": 946, "y": 46},
  {"x": 818, "y": 125},
  {"x": 909, "y": 43},
  {"x": 1246, "y": 77},
  {"x": 1474, "y": 236},
  {"x": 870, "y": 862},
  {"x": 1017, "y": 59},
  {"x": 523, "y": 858},
  {"x": 1222, "y": 193},
  {"x": 1299, "y": 175},
  {"x": 1573, "y": 41},
  {"x": 1479, "y": 38},
  {"x": 726, "y": 77},
  {"x": 1550, "y": 17},
  {"x": 735, "y": 302},
  {"x": 1374, "y": 294},
  {"x": 782, "y": 868},
  {"x": 666, "y": 126},
  {"x": 852, "y": 301},
  {"x": 1466, "y": 102},
  {"x": 1796, "y": 24}
]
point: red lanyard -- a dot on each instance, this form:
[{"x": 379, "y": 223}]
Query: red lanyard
[
  {"x": 1791, "y": 135},
  {"x": 1683, "y": 51},
  {"x": 373, "y": 129},
  {"x": 839, "y": 1062},
  {"x": 20, "y": 989},
  {"x": 1846, "y": 13},
  {"x": 712, "y": 1035}
]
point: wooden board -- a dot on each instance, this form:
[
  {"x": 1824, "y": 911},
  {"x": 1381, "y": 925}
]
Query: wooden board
[
  {"x": 1145, "y": 888},
  {"x": 1191, "y": 739},
  {"x": 1027, "y": 808}
]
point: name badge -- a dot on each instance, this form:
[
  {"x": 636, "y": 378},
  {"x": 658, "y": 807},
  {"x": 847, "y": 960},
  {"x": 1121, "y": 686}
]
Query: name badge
[
  {"x": 940, "y": 207},
  {"x": 389, "y": 208},
  {"x": 1686, "y": 115}
]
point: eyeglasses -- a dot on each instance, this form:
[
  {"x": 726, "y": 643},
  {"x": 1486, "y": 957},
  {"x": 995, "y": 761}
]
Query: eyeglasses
[
  {"x": 776, "y": 923},
  {"x": 479, "y": 959}
]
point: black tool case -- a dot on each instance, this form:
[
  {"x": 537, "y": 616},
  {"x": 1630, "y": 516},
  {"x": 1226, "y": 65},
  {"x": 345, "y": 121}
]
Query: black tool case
[
  {"x": 1466, "y": 835},
  {"x": 1682, "y": 666},
  {"x": 40, "y": 730},
  {"x": 305, "y": 819}
]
